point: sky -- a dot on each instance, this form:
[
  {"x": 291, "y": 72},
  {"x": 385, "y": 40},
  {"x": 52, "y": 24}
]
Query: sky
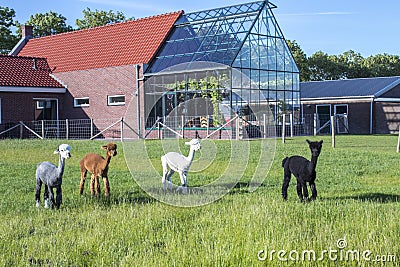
[{"x": 331, "y": 26}]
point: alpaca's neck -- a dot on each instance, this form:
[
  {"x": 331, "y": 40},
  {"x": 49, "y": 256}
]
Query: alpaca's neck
[
  {"x": 190, "y": 156},
  {"x": 106, "y": 161},
  {"x": 61, "y": 164},
  {"x": 313, "y": 163}
]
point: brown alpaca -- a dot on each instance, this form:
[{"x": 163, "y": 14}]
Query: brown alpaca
[{"x": 98, "y": 167}]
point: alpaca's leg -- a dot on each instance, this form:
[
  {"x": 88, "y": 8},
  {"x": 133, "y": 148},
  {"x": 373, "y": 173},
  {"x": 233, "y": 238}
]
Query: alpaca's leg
[
  {"x": 51, "y": 196},
  {"x": 97, "y": 185},
  {"x": 46, "y": 197},
  {"x": 106, "y": 186},
  {"x": 299, "y": 190},
  {"x": 313, "y": 191},
  {"x": 82, "y": 184},
  {"x": 59, "y": 197},
  {"x": 305, "y": 190},
  {"x": 286, "y": 181},
  {"x": 38, "y": 188},
  {"x": 169, "y": 178},
  {"x": 183, "y": 176},
  {"x": 92, "y": 181}
]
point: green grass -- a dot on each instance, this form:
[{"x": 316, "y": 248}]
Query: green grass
[{"x": 358, "y": 185}]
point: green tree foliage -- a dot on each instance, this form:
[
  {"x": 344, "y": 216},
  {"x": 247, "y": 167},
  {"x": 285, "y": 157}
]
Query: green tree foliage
[
  {"x": 99, "y": 18},
  {"x": 300, "y": 58},
  {"x": 47, "y": 24},
  {"x": 7, "y": 39},
  {"x": 325, "y": 67},
  {"x": 348, "y": 65}
]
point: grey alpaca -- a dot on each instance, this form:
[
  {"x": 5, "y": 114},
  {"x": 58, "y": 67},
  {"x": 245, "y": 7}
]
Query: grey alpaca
[
  {"x": 51, "y": 176},
  {"x": 303, "y": 170},
  {"x": 180, "y": 164}
]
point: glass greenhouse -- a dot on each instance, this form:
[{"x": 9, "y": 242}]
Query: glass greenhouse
[{"x": 235, "y": 57}]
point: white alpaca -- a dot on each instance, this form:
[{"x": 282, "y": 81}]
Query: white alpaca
[
  {"x": 51, "y": 176},
  {"x": 180, "y": 164}
]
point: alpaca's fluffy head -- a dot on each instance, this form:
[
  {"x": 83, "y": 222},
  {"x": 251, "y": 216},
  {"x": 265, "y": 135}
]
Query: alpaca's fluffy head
[
  {"x": 194, "y": 144},
  {"x": 111, "y": 149},
  {"x": 64, "y": 150},
  {"x": 315, "y": 147}
]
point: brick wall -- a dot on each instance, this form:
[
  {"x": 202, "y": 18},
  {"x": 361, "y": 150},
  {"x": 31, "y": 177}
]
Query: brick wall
[{"x": 21, "y": 106}]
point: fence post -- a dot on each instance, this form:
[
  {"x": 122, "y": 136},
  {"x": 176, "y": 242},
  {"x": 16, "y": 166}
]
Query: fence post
[
  {"x": 283, "y": 128},
  {"x": 237, "y": 127},
  {"x": 66, "y": 129},
  {"x": 91, "y": 128},
  {"x": 333, "y": 130},
  {"x": 315, "y": 124},
  {"x": 398, "y": 142},
  {"x": 183, "y": 127},
  {"x": 43, "y": 132},
  {"x": 122, "y": 129},
  {"x": 158, "y": 128},
  {"x": 208, "y": 125},
  {"x": 21, "y": 131},
  {"x": 291, "y": 124},
  {"x": 265, "y": 125}
]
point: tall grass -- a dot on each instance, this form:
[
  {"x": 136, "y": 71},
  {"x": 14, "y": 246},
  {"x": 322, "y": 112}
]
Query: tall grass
[{"x": 358, "y": 185}]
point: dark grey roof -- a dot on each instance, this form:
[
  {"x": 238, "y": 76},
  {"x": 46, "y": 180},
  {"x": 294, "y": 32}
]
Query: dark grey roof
[{"x": 362, "y": 87}]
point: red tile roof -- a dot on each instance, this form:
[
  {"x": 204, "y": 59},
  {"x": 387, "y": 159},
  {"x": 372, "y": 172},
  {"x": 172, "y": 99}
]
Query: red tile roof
[
  {"x": 125, "y": 43},
  {"x": 26, "y": 72}
]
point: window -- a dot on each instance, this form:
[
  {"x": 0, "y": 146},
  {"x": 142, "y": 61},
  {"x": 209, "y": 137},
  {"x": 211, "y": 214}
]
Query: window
[
  {"x": 116, "y": 100},
  {"x": 81, "y": 102},
  {"x": 41, "y": 104}
]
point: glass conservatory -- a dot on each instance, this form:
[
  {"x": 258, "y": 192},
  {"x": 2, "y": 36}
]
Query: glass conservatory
[{"x": 220, "y": 63}]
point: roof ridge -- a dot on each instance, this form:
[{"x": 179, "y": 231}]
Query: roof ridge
[
  {"x": 110, "y": 25},
  {"x": 23, "y": 57},
  {"x": 365, "y": 78}
]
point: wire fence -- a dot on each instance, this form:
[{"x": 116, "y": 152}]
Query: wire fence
[{"x": 236, "y": 127}]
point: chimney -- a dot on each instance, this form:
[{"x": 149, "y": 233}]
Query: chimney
[{"x": 27, "y": 31}]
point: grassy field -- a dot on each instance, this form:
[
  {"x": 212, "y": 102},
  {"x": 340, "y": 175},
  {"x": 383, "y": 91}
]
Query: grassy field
[{"x": 354, "y": 222}]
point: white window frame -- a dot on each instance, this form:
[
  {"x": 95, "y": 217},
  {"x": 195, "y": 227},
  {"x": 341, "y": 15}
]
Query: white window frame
[
  {"x": 38, "y": 106},
  {"x": 109, "y": 103},
  {"x": 76, "y": 105}
]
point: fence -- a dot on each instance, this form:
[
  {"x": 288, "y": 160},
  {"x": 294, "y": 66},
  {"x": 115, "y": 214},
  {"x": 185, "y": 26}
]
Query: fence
[
  {"x": 69, "y": 129},
  {"x": 173, "y": 127}
]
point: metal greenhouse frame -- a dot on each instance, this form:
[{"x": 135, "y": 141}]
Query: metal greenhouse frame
[{"x": 235, "y": 56}]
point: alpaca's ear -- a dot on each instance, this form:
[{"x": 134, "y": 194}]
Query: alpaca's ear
[
  {"x": 104, "y": 147},
  {"x": 56, "y": 151},
  {"x": 308, "y": 141},
  {"x": 320, "y": 142}
]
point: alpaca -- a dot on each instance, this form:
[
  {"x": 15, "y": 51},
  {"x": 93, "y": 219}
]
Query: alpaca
[
  {"x": 51, "y": 176},
  {"x": 98, "y": 167},
  {"x": 178, "y": 163},
  {"x": 303, "y": 170}
]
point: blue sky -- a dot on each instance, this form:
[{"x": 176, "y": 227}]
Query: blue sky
[{"x": 332, "y": 26}]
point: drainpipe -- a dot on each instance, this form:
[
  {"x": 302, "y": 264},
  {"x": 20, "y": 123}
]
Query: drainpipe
[
  {"x": 371, "y": 113},
  {"x": 138, "y": 100}
]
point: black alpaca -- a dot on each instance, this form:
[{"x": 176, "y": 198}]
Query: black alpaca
[{"x": 304, "y": 170}]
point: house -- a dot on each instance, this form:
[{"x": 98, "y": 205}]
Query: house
[
  {"x": 113, "y": 71},
  {"x": 101, "y": 67},
  {"x": 28, "y": 90},
  {"x": 368, "y": 105}
]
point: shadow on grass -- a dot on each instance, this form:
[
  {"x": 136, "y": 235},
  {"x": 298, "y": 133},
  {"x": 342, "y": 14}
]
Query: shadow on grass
[{"x": 371, "y": 197}]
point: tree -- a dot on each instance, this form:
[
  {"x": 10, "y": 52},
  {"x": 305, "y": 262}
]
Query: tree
[
  {"x": 382, "y": 65},
  {"x": 354, "y": 65},
  {"x": 301, "y": 60},
  {"x": 7, "y": 39},
  {"x": 324, "y": 67},
  {"x": 99, "y": 18},
  {"x": 46, "y": 24}
]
